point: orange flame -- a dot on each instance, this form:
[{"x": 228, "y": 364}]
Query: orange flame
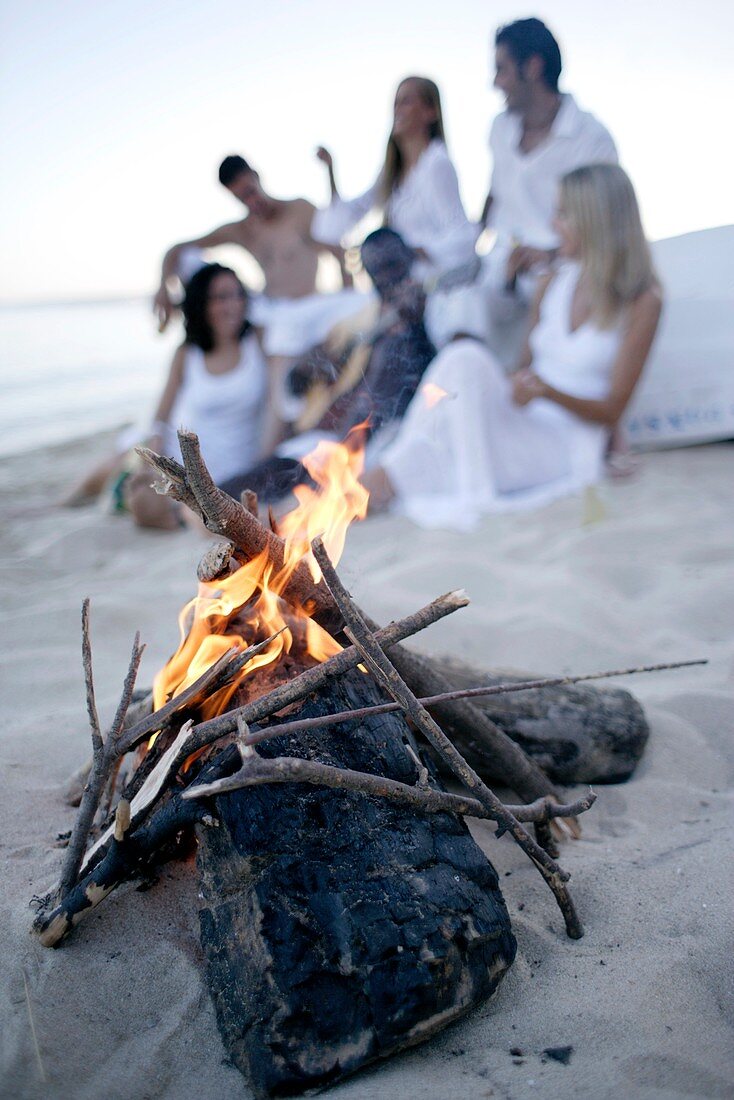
[{"x": 246, "y": 606}]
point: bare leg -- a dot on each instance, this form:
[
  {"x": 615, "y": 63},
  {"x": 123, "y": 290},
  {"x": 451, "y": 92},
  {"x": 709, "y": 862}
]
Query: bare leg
[
  {"x": 379, "y": 486},
  {"x": 93, "y": 483},
  {"x": 147, "y": 507}
]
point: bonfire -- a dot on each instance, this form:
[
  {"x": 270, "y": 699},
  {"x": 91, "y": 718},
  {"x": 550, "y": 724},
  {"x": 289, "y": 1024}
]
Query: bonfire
[{"x": 301, "y": 750}]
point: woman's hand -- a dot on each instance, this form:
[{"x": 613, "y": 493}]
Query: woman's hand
[
  {"x": 526, "y": 386},
  {"x": 162, "y": 307},
  {"x": 325, "y": 157},
  {"x": 523, "y": 258}
]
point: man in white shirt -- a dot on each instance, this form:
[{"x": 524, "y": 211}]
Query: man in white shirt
[{"x": 540, "y": 136}]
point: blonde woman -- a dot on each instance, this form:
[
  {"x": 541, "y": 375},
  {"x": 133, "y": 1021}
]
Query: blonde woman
[
  {"x": 417, "y": 192},
  {"x": 474, "y": 441}
]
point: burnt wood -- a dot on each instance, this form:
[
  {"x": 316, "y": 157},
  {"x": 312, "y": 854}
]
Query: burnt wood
[
  {"x": 575, "y": 733},
  {"x": 339, "y": 928}
]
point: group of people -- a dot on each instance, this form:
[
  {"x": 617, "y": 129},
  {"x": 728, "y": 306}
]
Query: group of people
[{"x": 485, "y": 384}]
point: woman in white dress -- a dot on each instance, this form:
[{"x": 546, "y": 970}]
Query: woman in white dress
[
  {"x": 474, "y": 441},
  {"x": 417, "y": 191},
  {"x": 216, "y": 387}
]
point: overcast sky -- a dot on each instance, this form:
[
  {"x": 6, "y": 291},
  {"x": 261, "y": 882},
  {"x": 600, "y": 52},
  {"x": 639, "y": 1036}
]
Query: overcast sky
[{"x": 114, "y": 116}]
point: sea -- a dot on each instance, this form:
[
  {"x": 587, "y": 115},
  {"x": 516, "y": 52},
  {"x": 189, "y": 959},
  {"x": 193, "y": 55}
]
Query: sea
[{"x": 70, "y": 370}]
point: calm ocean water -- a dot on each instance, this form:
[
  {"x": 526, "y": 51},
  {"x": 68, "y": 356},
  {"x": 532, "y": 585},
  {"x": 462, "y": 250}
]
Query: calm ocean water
[{"x": 68, "y": 371}]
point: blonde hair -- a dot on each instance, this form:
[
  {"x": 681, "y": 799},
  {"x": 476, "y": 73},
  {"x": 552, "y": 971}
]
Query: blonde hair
[
  {"x": 393, "y": 168},
  {"x": 601, "y": 207}
]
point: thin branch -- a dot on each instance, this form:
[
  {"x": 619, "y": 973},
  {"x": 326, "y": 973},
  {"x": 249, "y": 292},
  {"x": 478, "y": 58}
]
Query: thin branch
[
  {"x": 34, "y": 1034},
  {"x": 301, "y": 724},
  {"x": 256, "y": 771},
  {"x": 173, "y": 482},
  {"x": 94, "y": 724},
  {"x": 209, "y": 683},
  {"x": 215, "y": 562},
  {"x": 227, "y": 517},
  {"x": 248, "y": 499},
  {"x": 105, "y": 755},
  {"x": 314, "y": 678},
  {"x": 155, "y": 785},
  {"x": 359, "y": 633}
]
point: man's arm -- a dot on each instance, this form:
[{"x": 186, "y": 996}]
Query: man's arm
[
  {"x": 233, "y": 233},
  {"x": 340, "y": 256},
  {"x": 307, "y": 211}
]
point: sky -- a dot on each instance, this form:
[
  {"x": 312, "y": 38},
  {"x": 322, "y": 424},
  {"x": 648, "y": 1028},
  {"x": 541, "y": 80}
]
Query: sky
[{"x": 115, "y": 116}]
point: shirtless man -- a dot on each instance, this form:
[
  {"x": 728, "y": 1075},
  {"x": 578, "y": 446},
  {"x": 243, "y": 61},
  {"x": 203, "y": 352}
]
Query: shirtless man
[
  {"x": 540, "y": 136},
  {"x": 277, "y": 234}
]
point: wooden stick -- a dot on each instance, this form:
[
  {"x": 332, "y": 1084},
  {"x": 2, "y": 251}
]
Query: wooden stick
[
  {"x": 248, "y": 499},
  {"x": 149, "y": 793},
  {"x": 313, "y": 678},
  {"x": 209, "y": 683},
  {"x": 215, "y": 562},
  {"x": 288, "y": 769},
  {"x": 173, "y": 483},
  {"x": 105, "y": 753},
  {"x": 256, "y": 736},
  {"x": 123, "y": 859},
  {"x": 360, "y": 634},
  {"x": 227, "y": 517}
]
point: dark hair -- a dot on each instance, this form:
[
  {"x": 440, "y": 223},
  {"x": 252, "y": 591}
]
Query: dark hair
[
  {"x": 381, "y": 236},
  {"x": 197, "y": 328},
  {"x": 528, "y": 38},
  {"x": 232, "y": 167}
]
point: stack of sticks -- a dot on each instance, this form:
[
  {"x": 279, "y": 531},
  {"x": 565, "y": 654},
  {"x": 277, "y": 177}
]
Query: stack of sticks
[{"x": 137, "y": 822}]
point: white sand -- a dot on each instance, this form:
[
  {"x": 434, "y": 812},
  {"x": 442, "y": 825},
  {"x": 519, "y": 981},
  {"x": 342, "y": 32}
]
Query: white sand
[{"x": 645, "y": 999}]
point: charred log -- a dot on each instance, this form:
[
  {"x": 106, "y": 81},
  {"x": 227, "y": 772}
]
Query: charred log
[
  {"x": 575, "y": 733},
  {"x": 339, "y": 928}
]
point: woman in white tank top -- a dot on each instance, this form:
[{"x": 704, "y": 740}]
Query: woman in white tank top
[
  {"x": 474, "y": 441},
  {"x": 217, "y": 388}
]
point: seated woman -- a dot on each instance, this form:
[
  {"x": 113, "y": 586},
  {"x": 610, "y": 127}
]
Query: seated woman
[
  {"x": 217, "y": 387},
  {"x": 474, "y": 441},
  {"x": 418, "y": 193}
]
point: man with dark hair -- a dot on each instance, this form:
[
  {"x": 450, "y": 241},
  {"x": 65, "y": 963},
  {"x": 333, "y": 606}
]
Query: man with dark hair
[
  {"x": 277, "y": 234},
  {"x": 232, "y": 167},
  {"x": 540, "y": 136},
  {"x": 397, "y": 360}
]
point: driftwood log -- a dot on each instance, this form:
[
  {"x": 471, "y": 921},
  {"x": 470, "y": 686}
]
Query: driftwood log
[
  {"x": 339, "y": 928},
  {"x": 575, "y": 733}
]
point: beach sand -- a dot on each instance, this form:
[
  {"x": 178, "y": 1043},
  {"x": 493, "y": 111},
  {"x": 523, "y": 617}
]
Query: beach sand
[{"x": 644, "y": 999}]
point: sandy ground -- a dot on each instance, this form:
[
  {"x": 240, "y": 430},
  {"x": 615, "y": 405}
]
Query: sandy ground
[{"x": 644, "y": 999}]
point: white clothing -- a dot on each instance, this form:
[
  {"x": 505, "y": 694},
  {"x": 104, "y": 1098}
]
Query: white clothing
[
  {"x": 524, "y": 189},
  {"x": 427, "y": 211},
  {"x": 524, "y": 186},
  {"x": 292, "y": 326},
  {"x": 225, "y": 410},
  {"x": 475, "y": 451}
]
